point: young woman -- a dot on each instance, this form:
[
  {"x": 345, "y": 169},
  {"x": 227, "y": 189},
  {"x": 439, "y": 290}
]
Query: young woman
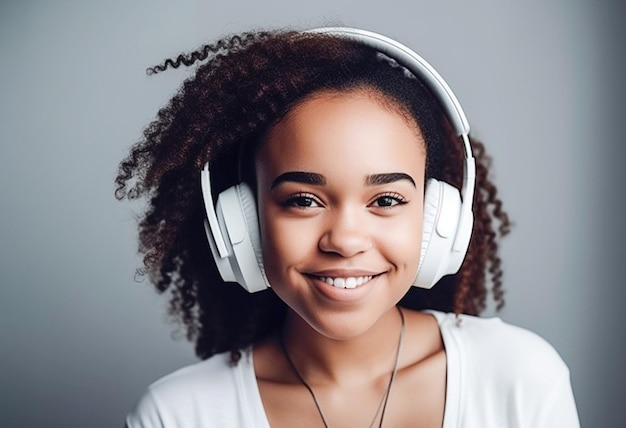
[{"x": 337, "y": 155}]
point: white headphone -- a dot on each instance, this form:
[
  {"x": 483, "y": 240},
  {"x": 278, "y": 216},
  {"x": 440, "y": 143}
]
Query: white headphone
[{"x": 232, "y": 228}]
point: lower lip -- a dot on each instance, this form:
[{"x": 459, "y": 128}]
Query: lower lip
[{"x": 344, "y": 295}]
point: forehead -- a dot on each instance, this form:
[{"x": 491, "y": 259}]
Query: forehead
[{"x": 333, "y": 130}]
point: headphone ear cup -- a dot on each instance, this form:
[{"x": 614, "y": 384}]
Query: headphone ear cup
[
  {"x": 250, "y": 214},
  {"x": 236, "y": 211},
  {"x": 442, "y": 211},
  {"x": 431, "y": 208}
]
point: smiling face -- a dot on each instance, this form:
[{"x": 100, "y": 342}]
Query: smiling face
[{"x": 340, "y": 192}]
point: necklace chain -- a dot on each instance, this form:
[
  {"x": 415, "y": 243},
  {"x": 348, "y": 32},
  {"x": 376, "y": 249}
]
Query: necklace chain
[{"x": 384, "y": 399}]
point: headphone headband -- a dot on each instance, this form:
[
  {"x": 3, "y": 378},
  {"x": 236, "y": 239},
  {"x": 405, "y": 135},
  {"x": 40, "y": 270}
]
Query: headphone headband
[{"x": 416, "y": 65}]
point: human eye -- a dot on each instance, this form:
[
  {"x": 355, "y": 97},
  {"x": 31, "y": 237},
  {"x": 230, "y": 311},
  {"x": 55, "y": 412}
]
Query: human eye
[
  {"x": 388, "y": 200},
  {"x": 302, "y": 201}
]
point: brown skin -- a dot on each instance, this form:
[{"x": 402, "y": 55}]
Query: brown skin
[
  {"x": 344, "y": 341},
  {"x": 348, "y": 231},
  {"x": 417, "y": 398}
]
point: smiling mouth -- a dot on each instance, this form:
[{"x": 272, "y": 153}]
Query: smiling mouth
[{"x": 346, "y": 282}]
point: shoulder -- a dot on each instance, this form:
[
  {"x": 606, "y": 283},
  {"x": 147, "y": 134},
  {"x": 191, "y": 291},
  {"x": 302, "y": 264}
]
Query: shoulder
[
  {"x": 506, "y": 372},
  {"x": 493, "y": 343},
  {"x": 196, "y": 395},
  {"x": 202, "y": 377},
  {"x": 492, "y": 355}
]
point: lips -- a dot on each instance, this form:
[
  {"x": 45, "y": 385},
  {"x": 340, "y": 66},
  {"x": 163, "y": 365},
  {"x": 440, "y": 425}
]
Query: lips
[
  {"x": 346, "y": 282},
  {"x": 344, "y": 286}
]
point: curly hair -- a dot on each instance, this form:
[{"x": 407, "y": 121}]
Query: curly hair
[{"x": 241, "y": 87}]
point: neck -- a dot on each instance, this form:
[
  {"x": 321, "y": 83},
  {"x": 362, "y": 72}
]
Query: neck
[{"x": 325, "y": 360}]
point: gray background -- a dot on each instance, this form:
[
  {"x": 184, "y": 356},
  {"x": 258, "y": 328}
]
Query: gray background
[{"x": 541, "y": 82}]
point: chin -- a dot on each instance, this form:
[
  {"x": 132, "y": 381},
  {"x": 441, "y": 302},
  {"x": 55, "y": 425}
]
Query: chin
[{"x": 342, "y": 325}]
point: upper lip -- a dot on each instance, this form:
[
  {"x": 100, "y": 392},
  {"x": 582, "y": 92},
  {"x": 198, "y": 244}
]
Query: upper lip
[{"x": 343, "y": 273}]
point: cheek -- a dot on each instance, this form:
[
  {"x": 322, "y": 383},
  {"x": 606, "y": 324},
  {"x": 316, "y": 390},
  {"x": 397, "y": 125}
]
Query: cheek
[
  {"x": 285, "y": 244},
  {"x": 410, "y": 239},
  {"x": 400, "y": 239},
  {"x": 278, "y": 239}
]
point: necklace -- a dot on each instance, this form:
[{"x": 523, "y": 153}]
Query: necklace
[{"x": 383, "y": 402}]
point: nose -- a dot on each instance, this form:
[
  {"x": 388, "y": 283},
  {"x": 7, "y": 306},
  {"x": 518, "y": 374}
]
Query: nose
[{"x": 346, "y": 234}]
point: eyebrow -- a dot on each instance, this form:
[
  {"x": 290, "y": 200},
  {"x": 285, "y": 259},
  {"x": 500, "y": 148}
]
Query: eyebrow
[
  {"x": 319, "y": 180},
  {"x": 391, "y": 177},
  {"x": 299, "y": 177}
]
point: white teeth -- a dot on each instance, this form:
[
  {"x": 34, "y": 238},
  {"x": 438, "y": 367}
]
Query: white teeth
[{"x": 349, "y": 282}]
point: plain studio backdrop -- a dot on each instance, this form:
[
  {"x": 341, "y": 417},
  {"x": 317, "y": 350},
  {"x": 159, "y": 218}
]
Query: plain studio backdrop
[{"x": 80, "y": 339}]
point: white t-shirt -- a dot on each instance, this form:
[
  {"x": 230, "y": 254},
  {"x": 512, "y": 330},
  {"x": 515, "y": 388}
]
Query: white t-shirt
[{"x": 498, "y": 376}]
